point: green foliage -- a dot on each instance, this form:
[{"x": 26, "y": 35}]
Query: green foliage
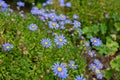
[{"x": 115, "y": 63}]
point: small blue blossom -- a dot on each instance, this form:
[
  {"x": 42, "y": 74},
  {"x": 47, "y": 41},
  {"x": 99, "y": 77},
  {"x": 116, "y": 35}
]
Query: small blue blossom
[
  {"x": 76, "y": 24},
  {"x": 98, "y": 64},
  {"x": 96, "y": 41},
  {"x": 61, "y": 3},
  {"x": 60, "y": 40},
  {"x": 99, "y": 75},
  {"x": 72, "y": 65},
  {"x": 62, "y": 17},
  {"x": 79, "y": 78},
  {"x": 33, "y": 27},
  {"x": 75, "y": 16},
  {"x": 68, "y": 4},
  {"x": 53, "y": 16},
  {"x": 20, "y": 4},
  {"x": 93, "y": 67},
  {"x": 60, "y": 70},
  {"x": 67, "y": 21},
  {"x": 91, "y": 53},
  {"x": 46, "y": 42},
  {"x": 53, "y": 25},
  {"x": 7, "y": 46}
]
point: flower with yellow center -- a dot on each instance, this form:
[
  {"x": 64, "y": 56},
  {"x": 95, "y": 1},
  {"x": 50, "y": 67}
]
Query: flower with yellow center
[{"x": 59, "y": 69}]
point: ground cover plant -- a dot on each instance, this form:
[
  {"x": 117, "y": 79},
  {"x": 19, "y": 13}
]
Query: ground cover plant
[{"x": 60, "y": 40}]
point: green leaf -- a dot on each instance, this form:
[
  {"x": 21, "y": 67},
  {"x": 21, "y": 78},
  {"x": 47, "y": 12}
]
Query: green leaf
[{"x": 117, "y": 26}]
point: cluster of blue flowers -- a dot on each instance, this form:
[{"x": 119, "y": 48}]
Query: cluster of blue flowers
[
  {"x": 96, "y": 66},
  {"x": 63, "y": 4},
  {"x": 61, "y": 71}
]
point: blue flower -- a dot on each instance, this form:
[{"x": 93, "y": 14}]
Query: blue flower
[
  {"x": 91, "y": 53},
  {"x": 53, "y": 25},
  {"x": 93, "y": 67},
  {"x": 99, "y": 75},
  {"x": 53, "y": 16},
  {"x": 72, "y": 65},
  {"x": 68, "y": 4},
  {"x": 5, "y": 5},
  {"x": 61, "y": 3},
  {"x": 33, "y": 27},
  {"x": 20, "y": 4},
  {"x": 96, "y": 41},
  {"x": 79, "y": 78},
  {"x": 62, "y": 17},
  {"x": 60, "y": 40},
  {"x": 60, "y": 70},
  {"x": 7, "y": 46},
  {"x": 76, "y": 24},
  {"x": 46, "y": 42},
  {"x": 75, "y": 16},
  {"x": 67, "y": 21},
  {"x": 98, "y": 64}
]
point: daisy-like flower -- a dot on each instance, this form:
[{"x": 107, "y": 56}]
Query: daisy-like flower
[
  {"x": 98, "y": 64},
  {"x": 76, "y": 24},
  {"x": 72, "y": 65},
  {"x": 33, "y": 27},
  {"x": 7, "y": 47},
  {"x": 62, "y": 17},
  {"x": 61, "y": 3},
  {"x": 46, "y": 42},
  {"x": 79, "y": 78},
  {"x": 99, "y": 75},
  {"x": 60, "y": 40},
  {"x": 68, "y": 4},
  {"x": 60, "y": 70},
  {"x": 53, "y": 16},
  {"x": 93, "y": 67},
  {"x": 96, "y": 41},
  {"x": 75, "y": 16},
  {"x": 20, "y": 4},
  {"x": 53, "y": 25},
  {"x": 91, "y": 53}
]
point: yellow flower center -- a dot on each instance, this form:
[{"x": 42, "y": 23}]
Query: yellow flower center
[
  {"x": 33, "y": 26},
  {"x": 7, "y": 47},
  {"x": 59, "y": 69},
  {"x": 46, "y": 42},
  {"x": 52, "y": 16},
  {"x": 94, "y": 66},
  {"x": 95, "y": 41},
  {"x": 60, "y": 40},
  {"x": 54, "y": 24},
  {"x": 62, "y": 16},
  {"x": 73, "y": 65}
]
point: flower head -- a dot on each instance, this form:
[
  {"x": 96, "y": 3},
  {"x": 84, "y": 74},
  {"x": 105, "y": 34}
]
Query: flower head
[
  {"x": 72, "y": 65},
  {"x": 60, "y": 40},
  {"x": 68, "y": 4},
  {"x": 62, "y": 17},
  {"x": 80, "y": 78},
  {"x": 99, "y": 75},
  {"x": 20, "y": 4},
  {"x": 53, "y": 25},
  {"x": 96, "y": 41},
  {"x": 33, "y": 27},
  {"x": 53, "y": 16},
  {"x": 91, "y": 53},
  {"x": 76, "y": 24},
  {"x": 93, "y": 67},
  {"x": 60, "y": 70},
  {"x": 75, "y": 16},
  {"x": 7, "y": 46},
  {"x": 46, "y": 42},
  {"x": 99, "y": 65}
]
